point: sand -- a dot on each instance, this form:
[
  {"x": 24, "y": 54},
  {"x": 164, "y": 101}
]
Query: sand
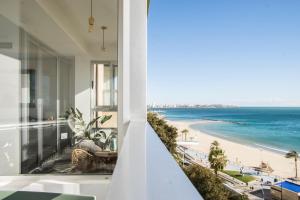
[{"x": 236, "y": 152}]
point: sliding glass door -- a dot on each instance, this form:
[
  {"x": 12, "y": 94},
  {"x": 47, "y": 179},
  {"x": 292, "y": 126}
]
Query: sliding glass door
[{"x": 46, "y": 95}]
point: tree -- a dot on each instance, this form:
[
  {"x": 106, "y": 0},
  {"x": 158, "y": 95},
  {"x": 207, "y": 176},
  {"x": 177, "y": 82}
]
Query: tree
[
  {"x": 184, "y": 132},
  {"x": 293, "y": 155},
  {"x": 208, "y": 185},
  {"x": 216, "y": 157},
  {"x": 166, "y": 133}
]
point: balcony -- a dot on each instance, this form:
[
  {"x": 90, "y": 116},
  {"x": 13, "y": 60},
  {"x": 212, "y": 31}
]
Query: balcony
[
  {"x": 53, "y": 57},
  {"x": 145, "y": 170},
  {"x": 51, "y": 60}
]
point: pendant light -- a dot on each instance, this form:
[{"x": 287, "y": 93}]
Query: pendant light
[{"x": 91, "y": 19}]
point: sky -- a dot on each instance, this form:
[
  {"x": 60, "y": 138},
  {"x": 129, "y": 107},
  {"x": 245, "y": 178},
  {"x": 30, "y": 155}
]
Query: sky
[{"x": 233, "y": 52}]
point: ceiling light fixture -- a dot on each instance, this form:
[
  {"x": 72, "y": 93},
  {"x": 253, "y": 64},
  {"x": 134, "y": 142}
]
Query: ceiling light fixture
[
  {"x": 91, "y": 19},
  {"x": 103, "y": 29}
]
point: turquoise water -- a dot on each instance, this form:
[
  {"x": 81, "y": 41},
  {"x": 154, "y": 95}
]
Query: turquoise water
[{"x": 276, "y": 129}]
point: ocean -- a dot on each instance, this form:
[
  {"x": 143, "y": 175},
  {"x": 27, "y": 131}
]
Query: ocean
[{"x": 272, "y": 128}]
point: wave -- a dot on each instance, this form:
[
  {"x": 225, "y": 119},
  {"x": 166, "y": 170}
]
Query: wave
[
  {"x": 272, "y": 148},
  {"x": 225, "y": 121},
  {"x": 158, "y": 111}
]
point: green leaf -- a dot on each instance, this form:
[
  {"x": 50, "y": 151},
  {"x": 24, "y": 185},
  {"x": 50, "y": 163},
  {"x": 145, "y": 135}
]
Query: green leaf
[
  {"x": 79, "y": 113},
  {"x": 67, "y": 114},
  {"x": 72, "y": 111},
  {"x": 110, "y": 137},
  {"x": 105, "y": 118},
  {"x": 101, "y": 134},
  {"x": 92, "y": 123}
]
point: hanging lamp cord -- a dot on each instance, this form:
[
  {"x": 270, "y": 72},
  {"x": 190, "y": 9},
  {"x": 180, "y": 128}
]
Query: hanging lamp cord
[
  {"x": 91, "y": 7},
  {"x": 103, "y": 39}
]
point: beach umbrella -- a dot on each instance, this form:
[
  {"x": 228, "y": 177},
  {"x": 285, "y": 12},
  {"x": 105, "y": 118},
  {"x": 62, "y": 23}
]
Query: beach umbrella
[{"x": 264, "y": 167}]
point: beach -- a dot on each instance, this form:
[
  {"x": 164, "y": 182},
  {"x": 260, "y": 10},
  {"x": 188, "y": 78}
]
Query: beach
[{"x": 243, "y": 154}]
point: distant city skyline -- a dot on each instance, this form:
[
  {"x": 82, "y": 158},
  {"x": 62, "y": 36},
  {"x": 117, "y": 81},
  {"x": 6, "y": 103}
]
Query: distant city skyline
[{"x": 244, "y": 53}]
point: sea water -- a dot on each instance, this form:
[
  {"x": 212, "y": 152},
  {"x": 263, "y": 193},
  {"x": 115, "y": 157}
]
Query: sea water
[{"x": 273, "y": 128}]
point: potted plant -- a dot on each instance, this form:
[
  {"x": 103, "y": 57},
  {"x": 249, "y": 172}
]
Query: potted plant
[{"x": 88, "y": 140}]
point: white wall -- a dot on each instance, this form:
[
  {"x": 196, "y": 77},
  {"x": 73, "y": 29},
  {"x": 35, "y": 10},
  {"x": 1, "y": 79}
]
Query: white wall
[
  {"x": 9, "y": 98},
  {"x": 82, "y": 85},
  {"x": 9, "y": 114}
]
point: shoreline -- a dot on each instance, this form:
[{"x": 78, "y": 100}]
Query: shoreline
[
  {"x": 244, "y": 154},
  {"x": 239, "y": 140}
]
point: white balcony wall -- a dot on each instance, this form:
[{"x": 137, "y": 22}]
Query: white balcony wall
[
  {"x": 165, "y": 179},
  {"x": 146, "y": 170}
]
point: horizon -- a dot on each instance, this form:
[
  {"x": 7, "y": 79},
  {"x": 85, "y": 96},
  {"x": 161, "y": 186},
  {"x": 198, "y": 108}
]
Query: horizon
[
  {"x": 238, "y": 53},
  {"x": 229, "y": 106}
]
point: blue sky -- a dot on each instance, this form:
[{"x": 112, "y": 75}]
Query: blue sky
[{"x": 241, "y": 52}]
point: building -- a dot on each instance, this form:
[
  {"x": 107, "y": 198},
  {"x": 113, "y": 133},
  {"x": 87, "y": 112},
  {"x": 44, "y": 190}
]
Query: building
[{"x": 90, "y": 55}]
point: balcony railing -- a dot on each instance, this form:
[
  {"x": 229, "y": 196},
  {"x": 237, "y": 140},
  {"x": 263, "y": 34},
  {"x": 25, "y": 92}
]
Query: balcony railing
[{"x": 146, "y": 170}]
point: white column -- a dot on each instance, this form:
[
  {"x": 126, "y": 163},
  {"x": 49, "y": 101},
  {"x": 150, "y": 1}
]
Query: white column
[
  {"x": 132, "y": 57},
  {"x": 129, "y": 178},
  {"x": 138, "y": 59}
]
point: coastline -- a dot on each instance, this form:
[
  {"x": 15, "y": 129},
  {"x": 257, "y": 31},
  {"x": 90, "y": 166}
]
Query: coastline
[
  {"x": 236, "y": 140},
  {"x": 243, "y": 154}
]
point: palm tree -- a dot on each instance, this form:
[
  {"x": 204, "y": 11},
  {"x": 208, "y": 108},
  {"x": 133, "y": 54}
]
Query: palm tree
[
  {"x": 214, "y": 144},
  {"x": 294, "y": 155},
  {"x": 216, "y": 157},
  {"x": 185, "y": 132}
]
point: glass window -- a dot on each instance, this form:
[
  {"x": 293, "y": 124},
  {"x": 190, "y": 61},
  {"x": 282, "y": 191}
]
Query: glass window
[{"x": 105, "y": 92}]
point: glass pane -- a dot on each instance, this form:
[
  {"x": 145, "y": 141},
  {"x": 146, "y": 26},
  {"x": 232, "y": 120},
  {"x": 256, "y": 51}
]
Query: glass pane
[
  {"x": 105, "y": 78},
  {"x": 106, "y": 85},
  {"x": 48, "y": 87},
  {"x": 48, "y": 99},
  {"x": 30, "y": 84},
  {"x": 106, "y": 92}
]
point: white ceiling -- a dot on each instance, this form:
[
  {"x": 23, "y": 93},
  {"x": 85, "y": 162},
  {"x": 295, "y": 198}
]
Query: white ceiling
[{"x": 63, "y": 24}]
